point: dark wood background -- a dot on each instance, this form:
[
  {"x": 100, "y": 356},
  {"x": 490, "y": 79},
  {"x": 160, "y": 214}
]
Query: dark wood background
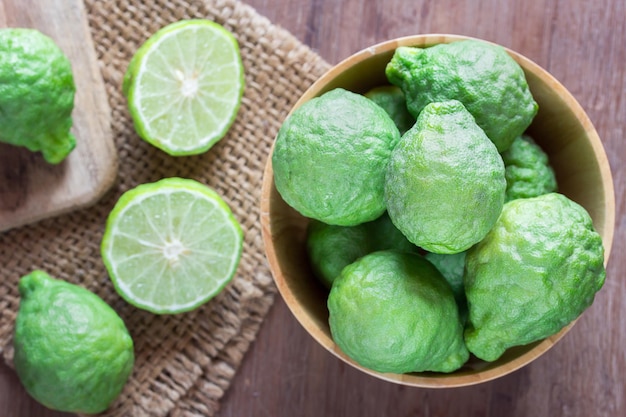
[{"x": 285, "y": 373}]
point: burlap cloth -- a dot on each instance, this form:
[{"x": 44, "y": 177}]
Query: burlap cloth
[{"x": 184, "y": 363}]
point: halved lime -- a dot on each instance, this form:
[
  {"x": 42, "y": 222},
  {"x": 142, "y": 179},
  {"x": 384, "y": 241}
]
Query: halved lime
[
  {"x": 171, "y": 245},
  {"x": 184, "y": 86}
]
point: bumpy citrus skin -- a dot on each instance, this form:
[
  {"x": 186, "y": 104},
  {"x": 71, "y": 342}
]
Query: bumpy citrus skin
[
  {"x": 535, "y": 272},
  {"x": 527, "y": 170},
  {"x": 481, "y": 75},
  {"x": 391, "y": 99},
  {"x": 445, "y": 181},
  {"x": 452, "y": 268},
  {"x": 73, "y": 353},
  {"x": 36, "y": 94},
  {"x": 331, "y": 248},
  {"x": 383, "y": 235},
  {"x": 330, "y": 158},
  {"x": 394, "y": 312}
]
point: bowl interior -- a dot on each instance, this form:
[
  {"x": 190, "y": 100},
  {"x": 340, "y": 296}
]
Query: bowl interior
[{"x": 561, "y": 128}]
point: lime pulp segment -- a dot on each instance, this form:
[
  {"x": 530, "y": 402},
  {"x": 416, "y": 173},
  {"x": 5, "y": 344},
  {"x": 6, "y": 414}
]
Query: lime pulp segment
[
  {"x": 185, "y": 86},
  {"x": 170, "y": 246}
]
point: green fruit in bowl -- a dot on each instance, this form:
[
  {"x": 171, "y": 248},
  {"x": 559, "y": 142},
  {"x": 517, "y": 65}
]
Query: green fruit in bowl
[
  {"x": 452, "y": 268},
  {"x": 394, "y": 312},
  {"x": 331, "y": 248},
  {"x": 391, "y": 99},
  {"x": 445, "y": 183},
  {"x": 535, "y": 272},
  {"x": 528, "y": 171},
  {"x": 481, "y": 75},
  {"x": 72, "y": 351},
  {"x": 36, "y": 94},
  {"x": 330, "y": 158}
]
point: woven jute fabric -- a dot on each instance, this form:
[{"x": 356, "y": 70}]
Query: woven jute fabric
[{"x": 184, "y": 363}]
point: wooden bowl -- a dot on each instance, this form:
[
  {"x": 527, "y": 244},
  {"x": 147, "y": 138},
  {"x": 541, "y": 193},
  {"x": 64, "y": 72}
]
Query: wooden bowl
[{"x": 562, "y": 129}]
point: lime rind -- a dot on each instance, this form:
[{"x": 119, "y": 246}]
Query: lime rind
[
  {"x": 147, "y": 252},
  {"x": 168, "y": 118}
]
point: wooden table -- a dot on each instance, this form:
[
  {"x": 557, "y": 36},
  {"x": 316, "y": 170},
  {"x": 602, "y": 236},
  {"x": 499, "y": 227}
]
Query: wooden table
[{"x": 285, "y": 373}]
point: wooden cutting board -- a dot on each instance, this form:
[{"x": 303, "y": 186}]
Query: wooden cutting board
[{"x": 30, "y": 188}]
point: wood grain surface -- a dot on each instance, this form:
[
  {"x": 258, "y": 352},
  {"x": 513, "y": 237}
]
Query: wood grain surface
[
  {"x": 30, "y": 188},
  {"x": 286, "y": 373}
]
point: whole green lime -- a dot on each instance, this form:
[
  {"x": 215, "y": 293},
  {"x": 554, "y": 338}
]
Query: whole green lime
[
  {"x": 394, "y": 312},
  {"x": 537, "y": 270},
  {"x": 527, "y": 170},
  {"x": 481, "y": 75},
  {"x": 391, "y": 99},
  {"x": 72, "y": 351},
  {"x": 36, "y": 94},
  {"x": 331, "y": 248},
  {"x": 331, "y": 155},
  {"x": 445, "y": 181}
]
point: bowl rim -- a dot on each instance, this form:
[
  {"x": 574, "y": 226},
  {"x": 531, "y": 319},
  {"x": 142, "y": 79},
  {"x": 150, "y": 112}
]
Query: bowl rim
[{"x": 416, "y": 379}]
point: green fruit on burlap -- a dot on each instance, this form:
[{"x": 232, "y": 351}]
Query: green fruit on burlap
[{"x": 73, "y": 352}]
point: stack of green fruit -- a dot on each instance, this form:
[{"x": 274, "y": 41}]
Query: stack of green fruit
[{"x": 435, "y": 220}]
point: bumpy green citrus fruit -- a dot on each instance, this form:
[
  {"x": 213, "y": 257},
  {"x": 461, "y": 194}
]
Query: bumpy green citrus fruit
[
  {"x": 36, "y": 94},
  {"x": 72, "y": 351},
  {"x": 331, "y": 248},
  {"x": 331, "y": 155},
  {"x": 535, "y": 272},
  {"x": 391, "y": 99},
  {"x": 481, "y": 75},
  {"x": 394, "y": 312},
  {"x": 527, "y": 169},
  {"x": 452, "y": 267},
  {"x": 383, "y": 235},
  {"x": 445, "y": 181}
]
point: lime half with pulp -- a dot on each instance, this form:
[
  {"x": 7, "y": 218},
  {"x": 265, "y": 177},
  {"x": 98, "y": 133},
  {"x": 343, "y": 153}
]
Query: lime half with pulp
[
  {"x": 171, "y": 245},
  {"x": 184, "y": 86}
]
